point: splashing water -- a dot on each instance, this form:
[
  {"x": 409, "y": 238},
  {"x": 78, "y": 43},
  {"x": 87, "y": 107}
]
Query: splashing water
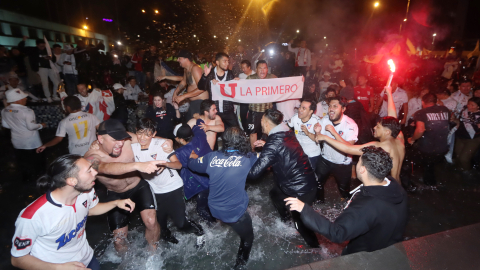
[{"x": 277, "y": 245}]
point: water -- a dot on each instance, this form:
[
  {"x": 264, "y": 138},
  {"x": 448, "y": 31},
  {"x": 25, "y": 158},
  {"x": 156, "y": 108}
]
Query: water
[{"x": 277, "y": 245}]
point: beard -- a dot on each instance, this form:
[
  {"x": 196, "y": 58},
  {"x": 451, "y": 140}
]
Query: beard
[
  {"x": 335, "y": 118},
  {"x": 82, "y": 189},
  {"x": 211, "y": 117},
  {"x": 115, "y": 155}
]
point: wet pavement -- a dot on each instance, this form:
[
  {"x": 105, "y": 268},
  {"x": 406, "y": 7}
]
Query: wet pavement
[{"x": 453, "y": 203}]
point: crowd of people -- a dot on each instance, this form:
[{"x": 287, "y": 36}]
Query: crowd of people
[{"x": 186, "y": 146}]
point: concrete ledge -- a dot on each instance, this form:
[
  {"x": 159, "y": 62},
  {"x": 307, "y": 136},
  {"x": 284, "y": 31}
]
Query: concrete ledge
[{"x": 453, "y": 249}]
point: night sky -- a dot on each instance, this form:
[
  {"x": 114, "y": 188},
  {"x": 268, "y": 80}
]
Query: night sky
[{"x": 258, "y": 22}]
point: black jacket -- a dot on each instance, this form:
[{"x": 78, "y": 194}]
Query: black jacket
[
  {"x": 33, "y": 54},
  {"x": 292, "y": 170},
  {"x": 204, "y": 84},
  {"x": 375, "y": 219}
]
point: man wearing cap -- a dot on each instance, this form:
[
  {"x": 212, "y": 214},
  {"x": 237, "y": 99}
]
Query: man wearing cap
[
  {"x": 191, "y": 78},
  {"x": 120, "y": 113},
  {"x": 25, "y": 137},
  {"x": 14, "y": 83},
  {"x": 117, "y": 170},
  {"x": 325, "y": 83},
  {"x": 40, "y": 63}
]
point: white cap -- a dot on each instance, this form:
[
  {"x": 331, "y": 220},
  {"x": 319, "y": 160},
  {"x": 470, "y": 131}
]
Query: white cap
[
  {"x": 176, "y": 129},
  {"x": 118, "y": 86},
  {"x": 15, "y": 95},
  {"x": 326, "y": 73},
  {"x": 13, "y": 75}
]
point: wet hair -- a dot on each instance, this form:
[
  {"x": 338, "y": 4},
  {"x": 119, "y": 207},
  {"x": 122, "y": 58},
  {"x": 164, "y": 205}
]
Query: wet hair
[
  {"x": 246, "y": 62},
  {"x": 429, "y": 98},
  {"x": 220, "y": 55},
  {"x": 476, "y": 100},
  {"x": 131, "y": 78},
  {"x": 73, "y": 102},
  {"x": 392, "y": 124},
  {"x": 206, "y": 105},
  {"x": 261, "y": 62},
  {"x": 57, "y": 173},
  {"x": 377, "y": 162},
  {"x": 313, "y": 103},
  {"x": 275, "y": 116},
  {"x": 235, "y": 139},
  {"x": 146, "y": 124},
  {"x": 341, "y": 100}
]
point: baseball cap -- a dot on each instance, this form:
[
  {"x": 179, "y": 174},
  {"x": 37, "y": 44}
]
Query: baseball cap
[
  {"x": 15, "y": 95},
  {"x": 118, "y": 86},
  {"x": 348, "y": 93},
  {"x": 185, "y": 54},
  {"x": 183, "y": 131},
  {"x": 113, "y": 128}
]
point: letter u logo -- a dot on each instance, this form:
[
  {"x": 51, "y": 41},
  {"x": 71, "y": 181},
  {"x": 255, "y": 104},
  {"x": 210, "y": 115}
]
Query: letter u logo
[{"x": 232, "y": 86}]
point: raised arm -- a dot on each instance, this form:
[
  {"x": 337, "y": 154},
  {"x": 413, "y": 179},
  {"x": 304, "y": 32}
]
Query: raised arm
[
  {"x": 344, "y": 146},
  {"x": 118, "y": 168},
  {"x": 391, "y": 110},
  {"x": 170, "y": 78}
]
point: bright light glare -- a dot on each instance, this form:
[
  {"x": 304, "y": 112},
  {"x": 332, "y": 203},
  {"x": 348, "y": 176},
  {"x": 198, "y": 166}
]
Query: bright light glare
[
  {"x": 298, "y": 31},
  {"x": 85, "y": 27},
  {"x": 324, "y": 37},
  {"x": 376, "y": 4},
  {"x": 214, "y": 36},
  {"x": 434, "y": 35},
  {"x": 391, "y": 64},
  {"x": 227, "y": 37},
  {"x": 239, "y": 40},
  {"x": 116, "y": 56},
  {"x": 156, "y": 11},
  {"x": 143, "y": 10},
  {"x": 272, "y": 51},
  {"x": 404, "y": 20},
  {"x": 119, "y": 43},
  {"x": 194, "y": 35}
]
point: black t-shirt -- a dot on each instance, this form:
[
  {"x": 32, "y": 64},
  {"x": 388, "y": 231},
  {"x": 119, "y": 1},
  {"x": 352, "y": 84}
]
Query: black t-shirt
[
  {"x": 436, "y": 120},
  {"x": 220, "y": 78},
  {"x": 165, "y": 118}
]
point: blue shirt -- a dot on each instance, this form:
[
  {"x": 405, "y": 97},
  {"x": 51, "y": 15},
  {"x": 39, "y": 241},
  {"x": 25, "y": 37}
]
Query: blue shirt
[
  {"x": 193, "y": 183},
  {"x": 227, "y": 197}
]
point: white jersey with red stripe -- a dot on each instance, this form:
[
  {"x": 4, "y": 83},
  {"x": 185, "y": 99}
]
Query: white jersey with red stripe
[
  {"x": 99, "y": 103},
  {"x": 54, "y": 232}
]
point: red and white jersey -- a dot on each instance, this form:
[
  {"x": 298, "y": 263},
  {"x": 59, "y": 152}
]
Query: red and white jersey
[
  {"x": 99, "y": 103},
  {"x": 54, "y": 232}
]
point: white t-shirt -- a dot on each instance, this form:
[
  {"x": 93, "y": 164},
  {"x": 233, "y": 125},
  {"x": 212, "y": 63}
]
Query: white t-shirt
[
  {"x": 414, "y": 105},
  {"x": 348, "y": 130},
  {"x": 23, "y": 126},
  {"x": 309, "y": 146},
  {"x": 131, "y": 93},
  {"x": 287, "y": 107},
  {"x": 322, "y": 109},
  {"x": 80, "y": 127},
  {"x": 399, "y": 98},
  {"x": 54, "y": 232},
  {"x": 450, "y": 103},
  {"x": 243, "y": 76},
  {"x": 168, "y": 180},
  {"x": 461, "y": 99}
]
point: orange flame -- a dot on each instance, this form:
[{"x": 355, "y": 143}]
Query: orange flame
[{"x": 391, "y": 64}]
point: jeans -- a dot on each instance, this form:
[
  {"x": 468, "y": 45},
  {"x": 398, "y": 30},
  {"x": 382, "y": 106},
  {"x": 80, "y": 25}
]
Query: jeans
[
  {"x": 243, "y": 227},
  {"x": 140, "y": 77},
  {"x": 277, "y": 196},
  {"x": 71, "y": 81},
  {"x": 341, "y": 172},
  {"x": 45, "y": 74}
]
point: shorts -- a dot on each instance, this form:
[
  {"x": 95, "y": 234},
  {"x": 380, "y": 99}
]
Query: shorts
[
  {"x": 254, "y": 123},
  {"x": 194, "y": 108},
  {"x": 143, "y": 197}
]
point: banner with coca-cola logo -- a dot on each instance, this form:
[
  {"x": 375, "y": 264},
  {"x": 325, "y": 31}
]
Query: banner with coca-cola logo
[{"x": 259, "y": 90}]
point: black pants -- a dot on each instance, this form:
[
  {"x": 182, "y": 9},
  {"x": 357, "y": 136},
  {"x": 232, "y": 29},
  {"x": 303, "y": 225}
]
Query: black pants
[
  {"x": 342, "y": 174},
  {"x": 172, "y": 204},
  {"x": 31, "y": 164},
  {"x": 299, "y": 71},
  {"x": 243, "y": 227},
  {"x": 277, "y": 196},
  {"x": 229, "y": 119},
  {"x": 427, "y": 161},
  {"x": 243, "y": 115}
]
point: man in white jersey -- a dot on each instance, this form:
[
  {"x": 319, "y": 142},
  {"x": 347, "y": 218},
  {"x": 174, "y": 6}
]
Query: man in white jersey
[
  {"x": 303, "y": 123},
  {"x": 342, "y": 128},
  {"x": 166, "y": 183},
  {"x": 99, "y": 103},
  {"x": 25, "y": 137},
  {"x": 80, "y": 127},
  {"x": 50, "y": 232}
]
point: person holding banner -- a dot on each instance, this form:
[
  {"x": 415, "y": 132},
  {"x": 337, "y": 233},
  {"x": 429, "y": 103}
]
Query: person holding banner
[
  {"x": 256, "y": 110},
  {"x": 293, "y": 174},
  {"x": 220, "y": 74}
]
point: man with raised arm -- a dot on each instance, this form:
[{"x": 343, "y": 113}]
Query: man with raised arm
[
  {"x": 117, "y": 170},
  {"x": 190, "y": 80},
  {"x": 212, "y": 125},
  {"x": 50, "y": 232},
  {"x": 387, "y": 131}
]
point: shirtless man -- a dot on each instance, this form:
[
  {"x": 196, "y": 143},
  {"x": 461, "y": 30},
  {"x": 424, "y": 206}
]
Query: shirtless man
[
  {"x": 387, "y": 131},
  {"x": 213, "y": 123},
  {"x": 192, "y": 75},
  {"x": 117, "y": 170}
]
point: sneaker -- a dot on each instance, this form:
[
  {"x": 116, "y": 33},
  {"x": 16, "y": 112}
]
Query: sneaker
[
  {"x": 55, "y": 98},
  {"x": 49, "y": 100},
  {"x": 200, "y": 242}
]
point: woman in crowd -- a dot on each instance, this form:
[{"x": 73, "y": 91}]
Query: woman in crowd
[{"x": 164, "y": 114}]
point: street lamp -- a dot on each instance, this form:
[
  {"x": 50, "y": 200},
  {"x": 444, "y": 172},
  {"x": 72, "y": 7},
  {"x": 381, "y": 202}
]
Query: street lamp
[
  {"x": 156, "y": 11},
  {"x": 298, "y": 31},
  {"x": 227, "y": 37},
  {"x": 85, "y": 27},
  {"x": 239, "y": 40},
  {"x": 143, "y": 10},
  {"x": 214, "y": 36},
  {"x": 119, "y": 43},
  {"x": 376, "y": 4},
  {"x": 194, "y": 35},
  {"x": 324, "y": 37}
]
